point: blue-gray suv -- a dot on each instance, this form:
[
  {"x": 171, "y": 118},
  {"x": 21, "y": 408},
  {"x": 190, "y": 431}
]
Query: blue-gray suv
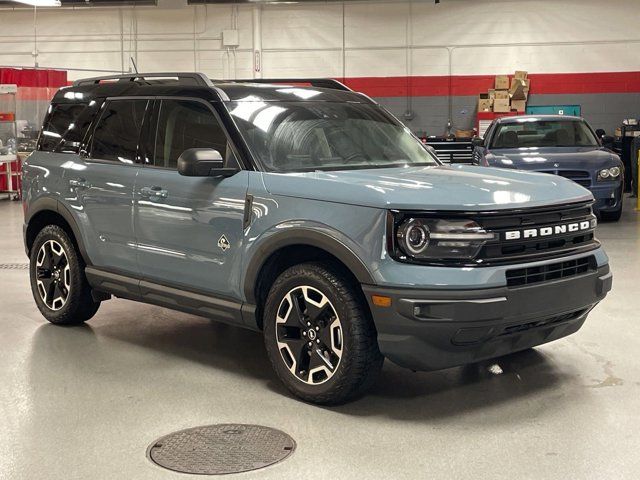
[
  {"x": 559, "y": 145},
  {"x": 306, "y": 211}
]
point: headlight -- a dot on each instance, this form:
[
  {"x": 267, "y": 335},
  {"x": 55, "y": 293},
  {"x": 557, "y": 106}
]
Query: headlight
[
  {"x": 437, "y": 239},
  {"x": 413, "y": 235},
  {"x": 609, "y": 173}
]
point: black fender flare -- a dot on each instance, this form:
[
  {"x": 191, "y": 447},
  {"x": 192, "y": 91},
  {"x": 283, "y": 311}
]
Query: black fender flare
[
  {"x": 302, "y": 236},
  {"x": 54, "y": 205}
]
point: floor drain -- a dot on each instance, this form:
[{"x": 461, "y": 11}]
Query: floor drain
[
  {"x": 14, "y": 266},
  {"x": 221, "y": 449}
]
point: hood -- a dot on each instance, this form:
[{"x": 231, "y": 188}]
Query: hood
[
  {"x": 457, "y": 187},
  {"x": 553, "y": 158}
]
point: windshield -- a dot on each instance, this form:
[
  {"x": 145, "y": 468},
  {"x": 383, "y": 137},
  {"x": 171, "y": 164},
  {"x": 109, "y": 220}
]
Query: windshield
[
  {"x": 308, "y": 136},
  {"x": 544, "y": 133}
]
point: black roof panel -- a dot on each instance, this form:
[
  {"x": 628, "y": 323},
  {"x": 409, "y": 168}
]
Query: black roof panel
[{"x": 196, "y": 85}]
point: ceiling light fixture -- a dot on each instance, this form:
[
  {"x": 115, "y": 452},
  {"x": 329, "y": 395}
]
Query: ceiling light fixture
[{"x": 40, "y": 3}]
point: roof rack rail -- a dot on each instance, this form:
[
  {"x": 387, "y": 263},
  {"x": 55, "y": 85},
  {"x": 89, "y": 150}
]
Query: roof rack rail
[
  {"x": 314, "y": 82},
  {"x": 199, "y": 79}
]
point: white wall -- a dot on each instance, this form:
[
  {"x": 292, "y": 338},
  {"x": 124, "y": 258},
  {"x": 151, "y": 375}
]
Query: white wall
[{"x": 332, "y": 39}]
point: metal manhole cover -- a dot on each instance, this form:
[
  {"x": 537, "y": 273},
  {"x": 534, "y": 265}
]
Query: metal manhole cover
[
  {"x": 14, "y": 266},
  {"x": 221, "y": 449}
]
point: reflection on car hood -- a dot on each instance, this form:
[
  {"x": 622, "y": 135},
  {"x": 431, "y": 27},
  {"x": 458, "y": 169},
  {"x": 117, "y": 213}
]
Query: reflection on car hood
[
  {"x": 459, "y": 187},
  {"x": 550, "y": 158}
]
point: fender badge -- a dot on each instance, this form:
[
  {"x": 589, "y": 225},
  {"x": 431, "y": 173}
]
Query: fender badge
[{"x": 223, "y": 243}]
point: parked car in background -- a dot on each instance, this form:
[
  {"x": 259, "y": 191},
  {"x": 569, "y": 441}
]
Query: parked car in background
[{"x": 560, "y": 145}]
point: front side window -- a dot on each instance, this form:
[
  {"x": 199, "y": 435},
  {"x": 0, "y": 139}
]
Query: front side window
[
  {"x": 543, "y": 133},
  {"x": 184, "y": 124},
  {"x": 117, "y": 133},
  {"x": 307, "y": 136}
]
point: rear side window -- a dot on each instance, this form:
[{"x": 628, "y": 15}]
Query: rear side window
[
  {"x": 117, "y": 132},
  {"x": 59, "y": 124},
  {"x": 184, "y": 124}
]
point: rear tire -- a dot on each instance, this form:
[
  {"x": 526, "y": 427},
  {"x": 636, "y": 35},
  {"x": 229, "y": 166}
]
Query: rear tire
[
  {"x": 58, "y": 282},
  {"x": 319, "y": 335}
]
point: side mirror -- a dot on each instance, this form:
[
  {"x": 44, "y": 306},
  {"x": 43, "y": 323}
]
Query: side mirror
[
  {"x": 608, "y": 141},
  {"x": 477, "y": 141},
  {"x": 203, "y": 162}
]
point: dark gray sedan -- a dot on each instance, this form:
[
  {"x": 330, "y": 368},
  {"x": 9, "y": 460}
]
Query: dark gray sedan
[{"x": 559, "y": 145}]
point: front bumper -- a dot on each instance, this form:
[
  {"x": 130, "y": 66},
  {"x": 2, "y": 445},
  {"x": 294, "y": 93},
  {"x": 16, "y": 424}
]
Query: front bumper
[
  {"x": 436, "y": 329},
  {"x": 607, "y": 195}
]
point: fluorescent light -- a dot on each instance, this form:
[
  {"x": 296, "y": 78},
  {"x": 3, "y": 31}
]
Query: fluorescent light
[{"x": 40, "y": 3}]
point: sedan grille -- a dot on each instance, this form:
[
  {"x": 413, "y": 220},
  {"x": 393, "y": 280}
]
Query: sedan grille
[{"x": 581, "y": 177}]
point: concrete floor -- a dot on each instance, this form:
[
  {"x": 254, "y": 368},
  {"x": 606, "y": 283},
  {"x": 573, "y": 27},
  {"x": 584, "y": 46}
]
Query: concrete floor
[{"x": 85, "y": 402}]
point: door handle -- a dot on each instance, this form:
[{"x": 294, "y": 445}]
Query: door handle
[
  {"x": 155, "y": 191},
  {"x": 79, "y": 183}
]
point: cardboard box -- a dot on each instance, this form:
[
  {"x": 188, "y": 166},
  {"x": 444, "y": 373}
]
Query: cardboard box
[
  {"x": 521, "y": 75},
  {"x": 519, "y": 106},
  {"x": 516, "y": 92},
  {"x": 492, "y": 93},
  {"x": 501, "y": 105},
  {"x": 485, "y": 104},
  {"x": 502, "y": 82},
  {"x": 516, "y": 81},
  {"x": 502, "y": 94},
  {"x": 465, "y": 133}
]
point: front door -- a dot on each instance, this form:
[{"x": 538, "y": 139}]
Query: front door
[
  {"x": 104, "y": 183},
  {"x": 189, "y": 230}
]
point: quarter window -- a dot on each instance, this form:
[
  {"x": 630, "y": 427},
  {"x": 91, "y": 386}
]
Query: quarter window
[
  {"x": 117, "y": 133},
  {"x": 62, "y": 118},
  {"x": 184, "y": 124}
]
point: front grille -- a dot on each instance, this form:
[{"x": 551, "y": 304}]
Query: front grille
[
  {"x": 555, "y": 235},
  {"x": 569, "y": 268},
  {"x": 581, "y": 177},
  {"x": 507, "y": 251}
]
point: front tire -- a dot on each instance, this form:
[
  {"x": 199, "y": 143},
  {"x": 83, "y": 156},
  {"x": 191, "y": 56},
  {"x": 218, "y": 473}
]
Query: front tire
[
  {"x": 58, "y": 282},
  {"x": 319, "y": 335}
]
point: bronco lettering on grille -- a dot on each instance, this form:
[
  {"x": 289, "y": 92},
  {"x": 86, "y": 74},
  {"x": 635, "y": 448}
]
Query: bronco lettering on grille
[{"x": 548, "y": 231}]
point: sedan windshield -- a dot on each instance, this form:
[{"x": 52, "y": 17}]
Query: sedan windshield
[
  {"x": 308, "y": 136},
  {"x": 544, "y": 133}
]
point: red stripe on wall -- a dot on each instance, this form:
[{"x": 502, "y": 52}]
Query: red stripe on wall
[
  {"x": 30, "y": 77},
  {"x": 34, "y": 84},
  {"x": 541, "y": 83}
]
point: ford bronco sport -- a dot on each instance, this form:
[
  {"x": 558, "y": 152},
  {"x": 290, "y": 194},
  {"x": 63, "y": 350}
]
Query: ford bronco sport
[{"x": 307, "y": 212}]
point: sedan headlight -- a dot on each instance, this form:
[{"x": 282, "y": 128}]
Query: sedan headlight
[
  {"x": 417, "y": 238},
  {"x": 609, "y": 173}
]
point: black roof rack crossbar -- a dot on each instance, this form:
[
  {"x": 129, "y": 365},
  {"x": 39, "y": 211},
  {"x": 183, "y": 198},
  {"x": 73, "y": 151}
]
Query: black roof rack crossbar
[
  {"x": 314, "y": 82},
  {"x": 199, "y": 79}
]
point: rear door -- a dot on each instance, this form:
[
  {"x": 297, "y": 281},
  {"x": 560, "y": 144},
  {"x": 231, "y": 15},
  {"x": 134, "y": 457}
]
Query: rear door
[
  {"x": 189, "y": 229},
  {"x": 105, "y": 181}
]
